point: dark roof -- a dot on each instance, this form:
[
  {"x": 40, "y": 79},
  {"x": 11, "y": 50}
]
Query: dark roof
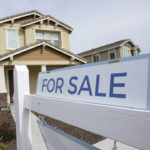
[
  {"x": 39, "y": 43},
  {"x": 20, "y": 14},
  {"x": 106, "y": 47},
  {"x": 46, "y": 17}
]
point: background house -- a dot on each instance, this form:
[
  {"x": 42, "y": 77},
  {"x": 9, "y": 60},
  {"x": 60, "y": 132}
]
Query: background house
[
  {"x": 119, "y": 49},
  {"x": 33, "y": 39}
]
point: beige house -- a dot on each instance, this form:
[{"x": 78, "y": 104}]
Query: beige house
[
  {"x": 38, "y": 41},
  {"x": 119, "y": 49}
]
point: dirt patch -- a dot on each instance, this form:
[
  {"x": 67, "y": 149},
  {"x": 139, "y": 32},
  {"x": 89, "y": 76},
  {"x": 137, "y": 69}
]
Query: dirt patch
[{"x": 7, "y": 129}]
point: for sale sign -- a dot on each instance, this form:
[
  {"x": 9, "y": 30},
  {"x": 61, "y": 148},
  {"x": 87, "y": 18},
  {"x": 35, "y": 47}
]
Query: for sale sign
[{"x": 125, "y": 83}]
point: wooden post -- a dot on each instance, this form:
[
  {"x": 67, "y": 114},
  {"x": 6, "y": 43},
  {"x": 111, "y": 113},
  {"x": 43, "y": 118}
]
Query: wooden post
[{"x": 23, "y": 120}]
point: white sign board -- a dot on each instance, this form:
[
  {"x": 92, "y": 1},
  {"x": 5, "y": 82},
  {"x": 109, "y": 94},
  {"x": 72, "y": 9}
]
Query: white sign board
[
  {"x": 58, "y": 140},
  {"x": 125, "y": 83}
]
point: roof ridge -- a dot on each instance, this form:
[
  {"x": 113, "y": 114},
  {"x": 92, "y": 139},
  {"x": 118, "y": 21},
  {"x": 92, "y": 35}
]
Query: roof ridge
[
  {"x": 20, "y": 14},
  {"x": 47, "y": 16},
  {"x": 120, "y": 41}
]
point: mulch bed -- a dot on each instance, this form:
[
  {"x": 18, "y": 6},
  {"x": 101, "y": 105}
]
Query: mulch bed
[
  {"x": 84, "y": 135},
  {"x": 7, "y": 129}
]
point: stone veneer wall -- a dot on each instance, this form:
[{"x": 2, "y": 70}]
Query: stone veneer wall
[{"x": 3, "y": 100}]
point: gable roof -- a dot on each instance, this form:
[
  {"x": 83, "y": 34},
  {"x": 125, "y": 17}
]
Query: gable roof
[
  {"x": 20, "y": 15},
  {"x": 106, "y": 47},
  {"x": 47, "y": 17},
  {"x": 37, "y": 44}
]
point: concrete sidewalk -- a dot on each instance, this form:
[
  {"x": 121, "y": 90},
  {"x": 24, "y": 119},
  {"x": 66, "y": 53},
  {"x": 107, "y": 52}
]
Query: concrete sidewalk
[{"x": 108, "y": 144}]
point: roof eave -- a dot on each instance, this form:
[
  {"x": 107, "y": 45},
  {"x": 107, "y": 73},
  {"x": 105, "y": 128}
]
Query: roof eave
[
  {"x": 36, "y": 21},
  {"x": 39, "y": 44},
  {"x": 17, "y": 17}
]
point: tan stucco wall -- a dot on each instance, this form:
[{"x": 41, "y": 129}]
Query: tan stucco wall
[
  {"x": 33, "y": 74},
  {"x": 27, "y": 36},
  {"x": 2, "y": 80},
  {"x": 30, "y": 34}
]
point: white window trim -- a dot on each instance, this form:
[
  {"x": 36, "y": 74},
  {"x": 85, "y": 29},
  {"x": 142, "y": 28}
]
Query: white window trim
[
  {"x": 93, "y": 57},
  {"x": 127, "y": 51},
  {"x": 109, "y": 54},
  {"x": 51, "y": 31},
  {"x": 6, "y": 33}
]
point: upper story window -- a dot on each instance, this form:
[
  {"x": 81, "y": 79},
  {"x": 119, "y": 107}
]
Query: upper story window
[
  {"x": 112, "y": 54},
  {"x": 12, "y": 39},
  {"x": 126, "y": 52},
  {"x": 56, "y": 39},
  {"x": 48, "y": 36},
  {"x": 96, "y": 57}
]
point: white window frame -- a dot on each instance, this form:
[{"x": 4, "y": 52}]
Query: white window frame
[
  {"x": 126, "y": 52},
  {"x": 50, "y": 31},
  {"x": 58, "y": 38},
  {"x": 97, "y": 55},
  {"x": 110, "y": 52},
  {"x": 8, "y": 48}
]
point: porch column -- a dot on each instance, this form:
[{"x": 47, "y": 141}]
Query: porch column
[
  {"x": 2, "y": 80},
  {"x": 43, "y": 68}
]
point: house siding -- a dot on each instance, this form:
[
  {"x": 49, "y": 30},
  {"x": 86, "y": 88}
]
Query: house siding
[
  {"x": 27, "y": 36},
  {"x": 103, "y": 55},
  {"x": 37, "y": 55}
]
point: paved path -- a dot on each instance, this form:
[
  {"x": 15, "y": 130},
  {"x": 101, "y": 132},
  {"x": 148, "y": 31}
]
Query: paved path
[{"x": 107, "y": 144}]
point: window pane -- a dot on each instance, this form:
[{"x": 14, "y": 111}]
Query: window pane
[
  {"x": 56, "y": 39},
  {"x": 39, "y": 36},
  {"x": 55, "y": 36},
  {"x": 135, "y": 52},
  {"x": 47, "y": 36},
  {"x": 96, "y": 58},
  {"x": 56, "y": 42},
  {"x": 12, "y": 39},
  {"x": 112, "y": 54}
]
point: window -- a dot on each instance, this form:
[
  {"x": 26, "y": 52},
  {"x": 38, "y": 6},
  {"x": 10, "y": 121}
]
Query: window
[
  {"x": 96, "y": 58},
  {"x": 12, "y": 37},
  {"x": 112, "y": 54},
  {"x": 126, "y": 52},
  {"x": 56, "y": 39},
  {"x": 136, "y": 53},
  {"x": 39, "y": 36},
  {"x": 48, "y": 36}
]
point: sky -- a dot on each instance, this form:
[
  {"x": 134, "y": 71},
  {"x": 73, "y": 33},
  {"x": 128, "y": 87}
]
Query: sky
[{"x": 95, "y": 22}]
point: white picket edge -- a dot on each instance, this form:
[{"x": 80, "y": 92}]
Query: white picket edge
[
  {"x": 129, "y": 126},
  {"x": 23, "y": 119}
]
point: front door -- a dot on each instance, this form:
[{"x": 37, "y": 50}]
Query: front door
[{"x": 11, "y": 85}]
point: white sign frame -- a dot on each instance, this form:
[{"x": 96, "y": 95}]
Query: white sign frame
[{"x": 127, "y": 125}]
